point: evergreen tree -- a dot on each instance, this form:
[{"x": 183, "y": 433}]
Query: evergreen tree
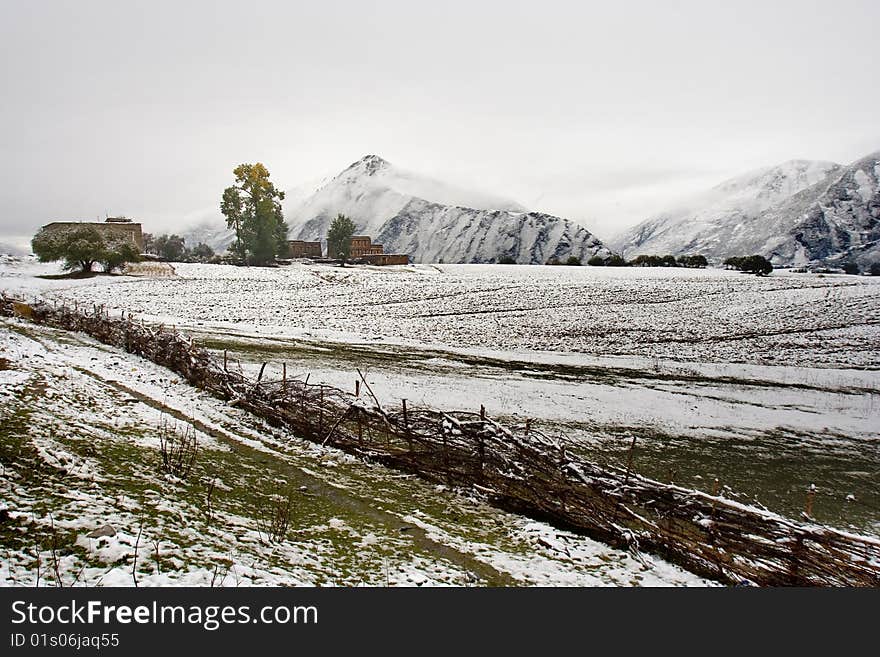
[{"x": 339, "y": 237}]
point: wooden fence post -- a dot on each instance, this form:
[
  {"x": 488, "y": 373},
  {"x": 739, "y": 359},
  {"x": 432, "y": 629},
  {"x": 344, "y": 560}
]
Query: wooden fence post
[
  {"x": 629, "y": 461},
  {"x": 480, "y": 444},
  {"x": 357, "y": 387},
  {"x": 225, "y": 361},
  {"x": 321, "y": 412},
  {"x": 481, "y": 447},
  {"x": 811, "y": 493},
  {"x": 716, "y": 488},
  {"x": 284, "y": 377},
  {"x": 406, "y": 427},
  {"x": 446, "y": 457}
]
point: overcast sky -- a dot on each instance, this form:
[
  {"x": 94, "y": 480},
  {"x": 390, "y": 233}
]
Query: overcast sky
[{"x": 600, "y": 111}]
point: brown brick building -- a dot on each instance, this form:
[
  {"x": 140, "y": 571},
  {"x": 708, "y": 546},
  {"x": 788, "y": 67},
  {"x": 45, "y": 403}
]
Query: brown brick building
[
  {"x": 361, "y": 245},
  {"x": 112, "y": 227},
  {"x": 302, "y": 249},
  {"x": 386, "y": 259},
  {"x": 363, "y": 249}
]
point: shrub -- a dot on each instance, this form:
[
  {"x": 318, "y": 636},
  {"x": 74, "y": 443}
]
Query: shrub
[
  {"x": 754, "y": 264},
  {"x": 573, "y": 261},
  {"x": 596, "y": 261},
  {"x": 178, "y": 451},
  {"x": 274, "y": 514},
  {"x": 201, "y": 252},
  {"x": 647, "y": 261},
  {"x": 693, "y": 261},
  {"x": 851, "y": 268},
  {"x": 875, "y": 269},
  {"x": 117, "y": 253},
  {"x": 615, "y": 261},
  {"x": 506, "y": 260},
  {"x": 171, "y": 248}
]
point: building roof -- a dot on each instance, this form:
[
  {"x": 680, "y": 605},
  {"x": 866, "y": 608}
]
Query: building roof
[{"x": 73, "y": 222}]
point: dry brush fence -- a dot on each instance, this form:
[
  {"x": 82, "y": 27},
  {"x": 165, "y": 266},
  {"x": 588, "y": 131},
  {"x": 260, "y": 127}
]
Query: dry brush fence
[{"x": 515, "y": 467}]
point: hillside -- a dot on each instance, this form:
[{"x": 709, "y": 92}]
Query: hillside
[
  {"x": 712, "y": 223},
  {"x": 436, "y": 222},
  {"x": 796, "y": 213}
]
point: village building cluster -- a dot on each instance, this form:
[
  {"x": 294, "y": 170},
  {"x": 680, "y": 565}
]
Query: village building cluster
[
  {"x": 362, "y": 247},
  {"x": 362, "y": 250}
]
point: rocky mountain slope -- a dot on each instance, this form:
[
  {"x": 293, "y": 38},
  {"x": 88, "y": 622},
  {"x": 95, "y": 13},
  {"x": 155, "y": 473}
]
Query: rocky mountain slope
[
  {"x": 436, "y": 222},
  {"x": 795, "y": 213},
  {"x": 836, "y": 221},
  {"x": 708, "y": 222}
]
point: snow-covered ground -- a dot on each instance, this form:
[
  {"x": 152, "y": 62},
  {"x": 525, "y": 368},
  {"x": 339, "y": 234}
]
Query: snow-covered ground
[
  {"x": 769, "y": 385},
  {"x": 800, "y": 320},
  {"x": 79, "y": 449}
]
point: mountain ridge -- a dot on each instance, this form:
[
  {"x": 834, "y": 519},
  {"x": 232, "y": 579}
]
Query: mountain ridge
[
  {"x": 434, "y": 221},
  {"x": 795, "y": 213}
]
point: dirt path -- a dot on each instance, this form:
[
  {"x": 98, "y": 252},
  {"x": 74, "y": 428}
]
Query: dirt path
[{"x": 357, "y": 505}]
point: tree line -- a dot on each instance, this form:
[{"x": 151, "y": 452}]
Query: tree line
[
  {"x": 614, "y": 260},
  {"x": 754, "y": 264},
  {"x": 172, "y": 248}
]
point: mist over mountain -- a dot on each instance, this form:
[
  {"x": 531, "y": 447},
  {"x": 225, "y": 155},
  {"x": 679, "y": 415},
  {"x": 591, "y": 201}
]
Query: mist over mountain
[
  {"x": 707, "y": 222},
  {"x": 433, "y": 221},
  {"x": 795, "y": 213}
]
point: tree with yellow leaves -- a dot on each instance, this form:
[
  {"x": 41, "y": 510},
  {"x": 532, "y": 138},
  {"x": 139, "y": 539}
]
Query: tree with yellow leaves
[{"x": 252, "y": 207}]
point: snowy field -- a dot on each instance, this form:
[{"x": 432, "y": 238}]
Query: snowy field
[
  {"x": 769, "y": 385},
  {"x": 79, "y": 448},
  {"x": 801, "y": 320}
]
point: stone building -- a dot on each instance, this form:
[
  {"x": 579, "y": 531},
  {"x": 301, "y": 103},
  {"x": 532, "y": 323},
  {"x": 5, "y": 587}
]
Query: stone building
[
  {"x": 361, "y": 245},
  {"x": 111, "y": 228},
  {"x": 386, "y": 259},
  {"x": 363, "y": 250},
  {"x": 302, "y": 249}
]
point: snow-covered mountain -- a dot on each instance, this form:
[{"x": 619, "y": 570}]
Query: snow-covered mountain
[
  {"x": 211, "y": 232},
  {"x": 436, "y": 222},
  {"x": 835, "y": 221},
  {"x": 796, "y": 213},
  {"x": 15, "y": 245},
  {"x": 711, "y": 223}
]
